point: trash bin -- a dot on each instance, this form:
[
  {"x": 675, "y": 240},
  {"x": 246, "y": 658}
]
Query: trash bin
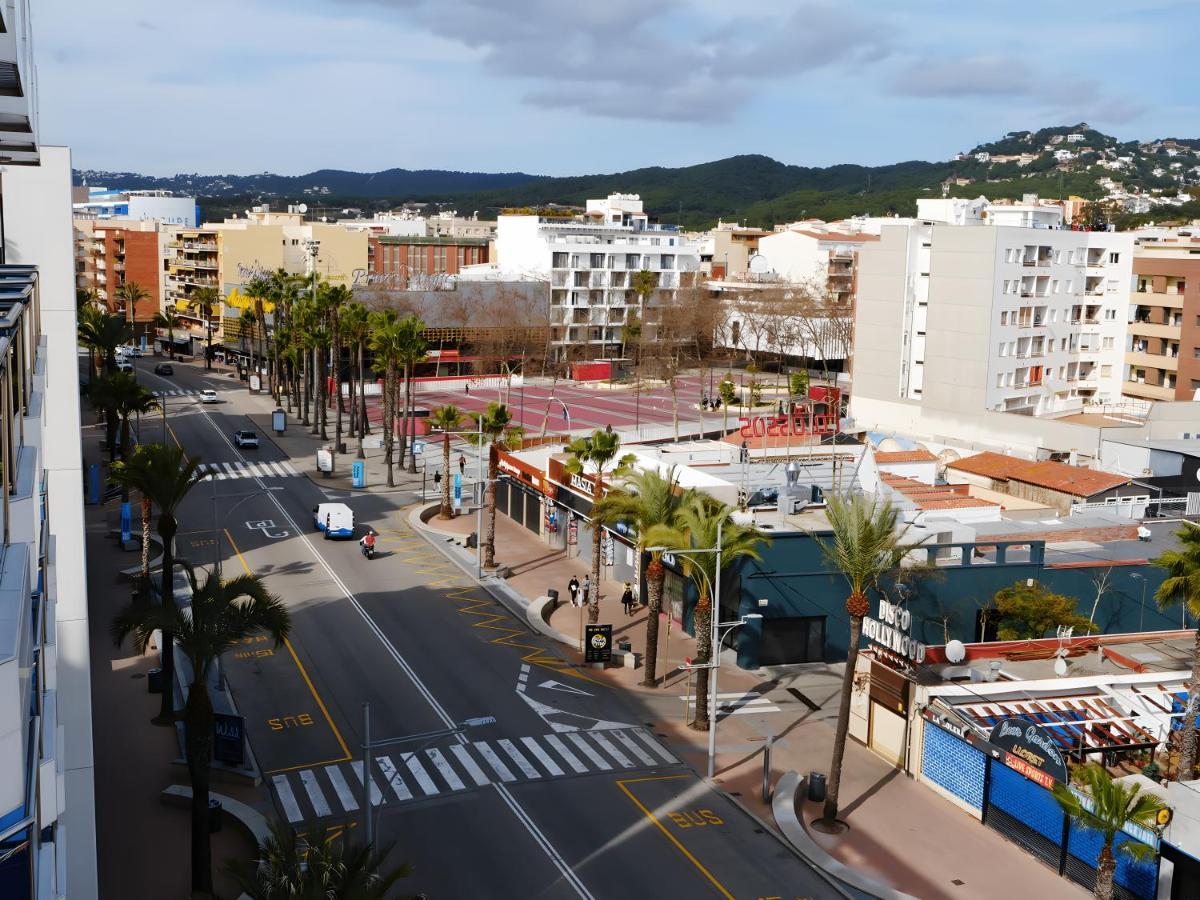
[
  {"x": 154, "y": 680},
  {"x": 816, "y": 787},
  {"x": 473, "y": 540},
  {"x": 214, "y": 815},
  {"x": 553, "y": 595},
  {"x": 624, "y": 646}
]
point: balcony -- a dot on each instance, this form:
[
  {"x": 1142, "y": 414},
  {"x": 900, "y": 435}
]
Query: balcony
[
  {"x": 1154, "y": 330},
  {"x": 1143, "y": 359},
  {"x": 1147, "y": 391}
]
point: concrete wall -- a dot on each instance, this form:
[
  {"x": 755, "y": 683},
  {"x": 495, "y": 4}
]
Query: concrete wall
[{"x": 879, "y": 318}]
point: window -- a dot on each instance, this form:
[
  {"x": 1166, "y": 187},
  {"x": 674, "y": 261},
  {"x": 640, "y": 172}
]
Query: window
[
  {"x": 1196, "y": 353},
  {"x": 1004, "y": 315},
  {"x": 1110, "y": 315},
  {"x": 1196, "y": 384},
  {"x": 1114, "y": 257},
  {"x": 1000, "y": 380},
  {"x": 1003, "y": 349},
  {"x": 1106, "y": 371},
  {"x": 1057, "y": 287},
  {"x": 1108, "y": 343}
]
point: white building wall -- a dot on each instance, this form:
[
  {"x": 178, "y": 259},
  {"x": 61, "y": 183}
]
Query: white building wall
[{"x": 37, "y": 231}]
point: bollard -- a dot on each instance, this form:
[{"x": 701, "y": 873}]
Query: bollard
[{"x": 766, "y": 782}]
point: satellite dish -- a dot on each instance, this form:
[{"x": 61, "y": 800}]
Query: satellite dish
[
  {"x": 1060, "y": 667},
  {"x": 944, "y": 458},
  {"x": 889, "y": 445},
  {"x": 302, "y": 208},
  {"x": 956, "y": 652},
  {"x": 759, "y": 265}
]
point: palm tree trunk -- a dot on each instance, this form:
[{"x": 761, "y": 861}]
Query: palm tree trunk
[
  {"x": 702, "y": 627},
  {"x": 597, "y": 538},
  {"x": 445, "y": 512},
  {"x": 829, "y": 815},
  {"x": 171, "y": 338},
  {"x": 1105, "y": 869},
  {"x": 302, "y": 387},
  {"x": 323, "y": 368},
  {"x": 166, "y": 594},
  {"x": 361, "y": 407},
  {"x": 489, "y": 559},
  {"x": 337, "y": 388},
  {"x": 125, "y": 454},
  {"x": 208, "y": 346},
  {"x": 655, "y": 574},
  {"x": 316, "y": 391},
  {"x": 145, "y": 539},
  {"x": 1187, "y": 739},
  {"x": 404, "y": 420},
  {"x": 411, "y": 426},
  {"x": 389, "y": 421},
  {"x": 198, "y": 727}
]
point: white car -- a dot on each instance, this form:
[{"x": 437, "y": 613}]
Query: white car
[
  {"x": 208, "y": 395},
  {"x": 126, "y": 367},
  {"x": 129, "y": 351},
  {"x": 246, "y": 439}
]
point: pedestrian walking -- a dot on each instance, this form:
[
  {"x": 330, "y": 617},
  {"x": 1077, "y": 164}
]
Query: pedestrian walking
[
  {"x": 467, "y": 388},
  {"x": 437, "y": 478},
  {"x": 573, "y": 590},
  {"x": 462, "y": 464},
  {"x": 627, "y": 599},
  {"x": 587, "y": 589}
]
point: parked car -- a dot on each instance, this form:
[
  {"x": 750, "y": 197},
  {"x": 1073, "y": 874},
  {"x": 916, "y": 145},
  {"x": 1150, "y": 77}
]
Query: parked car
[
  {"x": 335, "y": 519},
  {"x": 164, "y": 369},
  {"x": 126, "y": 367},
  {"x": 246, "y": 439},
  {"x": 208, "y": 395},
  {"x": 128, "y": 350}
]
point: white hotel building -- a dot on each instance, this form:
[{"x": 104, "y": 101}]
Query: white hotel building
[
  {"x": 47, "y": 805},
  {"x": 589, "y": 262},
  {"x": 975, "y": 307}
]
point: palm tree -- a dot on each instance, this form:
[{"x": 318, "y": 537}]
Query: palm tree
[
  {"x": 102, "y": 333},
  {"x": 413, "y": 349},
  {"x": 648, "y": 500},
  {"x": 221, "y": 614},
  {"x": 168, "y": 320},
  {"x": 866, "y": 545},
  {"x": 357, "y": 329},
  {"x": 131, "y": 294},
  {"x": 258, "y": 290},
  {"x": 206, "y": 300},
  {"x": 385, "y": 345},
  {"x": 321, "y": 866},
  {"x": 593, "y": 457},
  {"x": 704, "y": 525},
  {"x": 446, "y": 419},
  {"x": 1113, "y": 805},
  {"x": 166, "y": 475},
  {"x": 498, "y": 431},
  {"x": 336, "y": 298},
  {"x": 249, "y": 328},
  {"x": 121, "y": 395},
  {"x": 643, "y": 283},
  {"x": 1181, "y": 587}
]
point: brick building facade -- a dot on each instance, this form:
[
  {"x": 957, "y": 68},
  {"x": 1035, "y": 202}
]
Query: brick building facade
[
  {"x": 412, "y": 262},
  {"x": 1163, "y": 354},
  {"x": 108, "y": 257}
]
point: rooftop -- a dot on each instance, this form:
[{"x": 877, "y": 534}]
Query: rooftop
[
  {"x": 1054, "y": 476},
  {"x": 904, "y": 456}
]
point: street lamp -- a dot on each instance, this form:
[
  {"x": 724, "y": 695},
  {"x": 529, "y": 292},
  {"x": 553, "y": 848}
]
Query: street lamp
[
  {"x": 426, "y": 738},
  {"x": 1142, "y": 611},
  {"x": 566, "y": 412},
  {"x": 216, "y": 529}
]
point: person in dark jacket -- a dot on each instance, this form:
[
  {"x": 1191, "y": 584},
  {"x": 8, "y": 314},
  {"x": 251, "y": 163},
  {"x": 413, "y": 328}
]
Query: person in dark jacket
[{"x": 627, "y": 599}]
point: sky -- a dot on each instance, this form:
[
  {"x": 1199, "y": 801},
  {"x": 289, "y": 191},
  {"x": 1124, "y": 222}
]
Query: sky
[{"x": 564, "y": 87}]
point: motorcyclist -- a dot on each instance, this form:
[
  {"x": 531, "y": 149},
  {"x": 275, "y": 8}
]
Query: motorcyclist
[{"x": 368, "y": 543}]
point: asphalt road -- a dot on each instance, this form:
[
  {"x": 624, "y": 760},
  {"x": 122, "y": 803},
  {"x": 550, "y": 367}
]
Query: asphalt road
[{"x": 568, "y": 794}]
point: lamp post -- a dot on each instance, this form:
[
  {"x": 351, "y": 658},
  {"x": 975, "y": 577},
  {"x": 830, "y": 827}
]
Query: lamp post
[
  {"x": 566, "y": 412},
  {"x": 1142, "y": 610},
  {"x": 426, "y": 738},
  {"x": 216, "y": 528},
  {"x": 478, "y": 435}
]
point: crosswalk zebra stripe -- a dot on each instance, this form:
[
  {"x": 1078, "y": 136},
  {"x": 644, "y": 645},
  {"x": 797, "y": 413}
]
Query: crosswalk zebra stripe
[
  {"x": 376, "y": 794},
  {"x": 277, "y": 469},
  {"x": 572, "y": 760},
  {"x": 345, "y": 795},
  {"x": 518, "y": 757},
  {"x": 470, "y": 765},
  {"x": 542, "y": 756},
  {"x": 418, "y": 772},
  {"x": 230, "y": 470},
  {"x": 290, "y": 469},
  {"x": 633, "y": 748},
  {"x": 447, "y": 772},
  {"x": 654, "y": 745},
  {"x": 612, "y": 751},
  {"x": 393, "y": 778},
  {"x": 309, "y": 780},
  {"x": 597, "y": 760},
  {"x": 497, "y": 764},
  {"x": 291, "y": 808}
]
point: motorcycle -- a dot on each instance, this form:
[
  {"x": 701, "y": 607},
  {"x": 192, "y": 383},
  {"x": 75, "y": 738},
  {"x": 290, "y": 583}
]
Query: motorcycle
[{"x": 368, "y": 550}]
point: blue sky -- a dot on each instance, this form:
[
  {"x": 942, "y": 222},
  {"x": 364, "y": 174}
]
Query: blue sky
[{"x": 579, "y": 86}]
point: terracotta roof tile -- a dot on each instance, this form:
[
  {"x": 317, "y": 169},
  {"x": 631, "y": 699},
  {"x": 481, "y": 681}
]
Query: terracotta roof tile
[
  {"x": 904, "y": 456},
  {"x": 1054, "y": 476},
  {"x": 990, "y": 465}
]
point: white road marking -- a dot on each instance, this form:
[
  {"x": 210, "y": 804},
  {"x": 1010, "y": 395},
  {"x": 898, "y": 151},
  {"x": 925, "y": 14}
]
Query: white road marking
[
  {"x": 376, "y": 794},
  {"x": 345, "y": 795},
  {"x": 523, "y": 764},
  {"x": 654, "y": 745},
  {"x": 612, "y": 751},
  {"x": 572, "y": 760},
  {"x": 542, "y": 756},
  {"x": 445, "y": 769},
  {"x": 309, "y": 780},
  {"x": 393, "y": 777},
  {"x": 464, "y": 757},
  {"x": 589, "y": 751},
  {"x": 283, "y": 790},
  {"x": 633, "y": 748},
  {"x": 490, "y": 757},
  {"x": 418, "y": 772}
]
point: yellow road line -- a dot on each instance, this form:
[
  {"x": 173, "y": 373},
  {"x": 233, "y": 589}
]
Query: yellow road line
[
  {"x": 346, "y": 755},
  {"x": 661, "y": 827}
]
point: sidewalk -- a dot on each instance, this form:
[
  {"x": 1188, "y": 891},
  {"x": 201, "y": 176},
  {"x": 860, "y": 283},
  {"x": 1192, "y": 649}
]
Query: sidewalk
[
  {"x": 900, "y": 832},
  {"x": 143, "y": 845}
]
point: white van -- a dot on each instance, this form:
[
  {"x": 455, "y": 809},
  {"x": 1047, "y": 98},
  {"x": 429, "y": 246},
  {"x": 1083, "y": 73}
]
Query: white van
[{"x": 334, "y": 519}]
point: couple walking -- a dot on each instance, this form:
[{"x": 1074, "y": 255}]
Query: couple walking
[{"x": 579, "y": 595}]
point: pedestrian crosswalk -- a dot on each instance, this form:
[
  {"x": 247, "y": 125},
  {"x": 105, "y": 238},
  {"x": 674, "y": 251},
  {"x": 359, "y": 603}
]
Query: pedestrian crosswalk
[
  {"x": 739, "y": 703},
  {"x": 221, "y": 471},
  {"x": 178, "y": 392},
  {"x": 339, "y": 789}
]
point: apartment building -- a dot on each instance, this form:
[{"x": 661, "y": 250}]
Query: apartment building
[
  {"x": 158, "y": 206},
  {"x": 1163, "y": 351},
  {"x": 47, "y": 802},
  {"x": 826, "y": 260},
  {"x": 725, "y": 252},
  {"x": 418, "y": 262},
  {"x": 984, "y": 316},
  {"x": 111, "y": 253},
  {"x": 590, "y": 261}
]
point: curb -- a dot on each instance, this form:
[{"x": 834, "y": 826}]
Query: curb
[
  {"x": 783, "y": 808},
  {"x": 537, "y": 614}
]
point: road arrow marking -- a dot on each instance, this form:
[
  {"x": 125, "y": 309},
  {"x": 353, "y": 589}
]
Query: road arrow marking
[{"x": 566, "y": 688}]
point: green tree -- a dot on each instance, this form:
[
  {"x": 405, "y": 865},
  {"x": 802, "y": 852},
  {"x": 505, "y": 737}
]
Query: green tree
[
  {"x": 220, "y": 615},
  {"x": 168, "y": 320},
  {"x": 1030, "y": 611},
  {"x": 446, "y": 419},
  {"x": 207, "y": 300},
  {"x": 498, "y": 432},
  {"x": 337, "y": 297},
  {"x": 648, "y": 500},
  {"x": 1113, "y": 805},
  {"x": 595, "y": 457},
  {"x": 631, "y": 332},
  {"x": 130, "y": 294},
  {"x": 322, "y": 866},
  {"x": 258, "y": 290},
  {"x": 728, "y": 393},
  {"x": 120, "y": 395},
  {"x": 386, "y": 339},
  {"x": 166, "y": 475},
  {"x": 798, "y": 384},
  {"x": 867, "y": 544},
  {"x": 705, "y": 524},
  {"x": 1181, "y": 587},
  {"x": 412, "y": 350},
  {"x": 356, "y": 327},
  {"x": 102, "y": 333}
]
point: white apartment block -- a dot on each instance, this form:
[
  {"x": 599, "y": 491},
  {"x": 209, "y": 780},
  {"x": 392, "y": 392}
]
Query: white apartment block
[
  {"x": 975, "y": 317},
  {"x": 589, "y": 262},
  {"x": 158, "y": 206}
]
